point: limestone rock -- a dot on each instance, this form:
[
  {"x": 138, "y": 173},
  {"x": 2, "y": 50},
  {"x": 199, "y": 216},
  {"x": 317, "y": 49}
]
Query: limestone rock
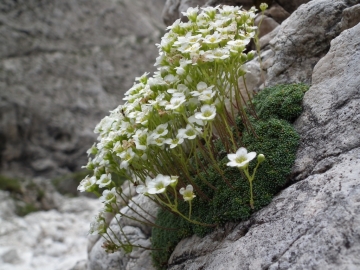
[
  {"x": 298, "y": 47},
  {"x": 314, "y": 223},
  {"x": 63, "y": 66}
]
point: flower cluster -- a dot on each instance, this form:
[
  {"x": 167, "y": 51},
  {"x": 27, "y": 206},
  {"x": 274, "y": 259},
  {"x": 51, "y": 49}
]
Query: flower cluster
[
  {"x": 194, "y": 89},
  {"x": 193, "y": 97}
]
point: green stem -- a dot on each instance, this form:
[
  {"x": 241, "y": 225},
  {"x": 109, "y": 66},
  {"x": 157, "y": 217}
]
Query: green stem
[{"x": 190, "y": 209}]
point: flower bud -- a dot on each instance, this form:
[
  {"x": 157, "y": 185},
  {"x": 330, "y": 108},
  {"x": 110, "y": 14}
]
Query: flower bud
[
  {"x": 174, "y": 180},
  {"x": 250, "y": 55},
  {"x": 260, "y": 158},
  {"x": 263, "y": 6}
]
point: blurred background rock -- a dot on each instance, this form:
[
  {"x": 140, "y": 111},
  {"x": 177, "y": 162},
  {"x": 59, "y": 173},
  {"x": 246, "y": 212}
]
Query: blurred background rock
[{"x": 63, "y": 66}]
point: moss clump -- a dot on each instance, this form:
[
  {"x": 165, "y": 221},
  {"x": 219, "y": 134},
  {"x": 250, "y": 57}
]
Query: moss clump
[
  {"x": 282, "y": 101},
  {"x": 23, "y": 209},
  {"x": 275, "y": 138},
  {"x": 10, "y": 184}
]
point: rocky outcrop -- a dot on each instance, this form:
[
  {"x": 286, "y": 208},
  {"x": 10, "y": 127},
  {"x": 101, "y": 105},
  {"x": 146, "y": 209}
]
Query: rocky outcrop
[
  {"x": 63, "y": 66},
  {"x": 314, "y": 223}
]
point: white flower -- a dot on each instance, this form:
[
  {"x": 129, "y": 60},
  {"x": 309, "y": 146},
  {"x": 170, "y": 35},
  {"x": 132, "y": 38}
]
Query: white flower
[
  {"x": 141, "y": 139},
  {"x": 207, "y": 95},
  {"x": 175, "y": 142},
  {"x": 170, "y": 79},
  {"x": 104, "y": 180},
  {"x": 159, "y": 101},
  {"x": 159, "y": 184},
  {"x": 176, "y": 102},
  {"x": 213, "y": 39},
  {"x": 200, "y": 88},
  {"x": 143, "y": 189},
  {"x": 238, "y": 45},
  {"x": 187, "y": 193},
  {"x": 189, "y": 132},
  {"x": 160, "y": 141},
  {"x": 189, "y": 48},
  {"x": 174, "y": 25},
  {"x": 188, "y": 39},
  {"x": 226, "y": 10},
  {"x": 142, "y": 78},
  {"x": 160, "y": 131},
  {"x": 143, "y": 116},
  {"x": 180, "y": 70},
  {"x": 87, "y": 183},
  {"x": 126, "y": 156},
  {"x": 191, "y": 13},
  {"x": 210, "y": 11},
  {"x": 208, "y": 112},
  {"x": 108, "y": 196},
  {"x": 241, "y": 158},
  {"x": 218, "y": 53},
  {"x": 196, "y": 121}
]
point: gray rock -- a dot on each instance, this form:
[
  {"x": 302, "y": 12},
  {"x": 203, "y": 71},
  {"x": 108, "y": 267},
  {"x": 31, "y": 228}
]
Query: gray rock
[
  {"x": 315, "y": 223},
  {"x": 350, "y": 17},
  {"x": 63, "y": 66},
  {"x": 298, "y": 47}
]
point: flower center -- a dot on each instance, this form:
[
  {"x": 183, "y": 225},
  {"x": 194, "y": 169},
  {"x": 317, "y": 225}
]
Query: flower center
[
  {"x": 240, "y": 159},
  {"x": 207, "y": 113},
  {"x": 159, "y": 186}
]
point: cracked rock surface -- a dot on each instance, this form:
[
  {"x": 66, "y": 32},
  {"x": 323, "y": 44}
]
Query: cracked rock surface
[{"x": 314, "y": 223}]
